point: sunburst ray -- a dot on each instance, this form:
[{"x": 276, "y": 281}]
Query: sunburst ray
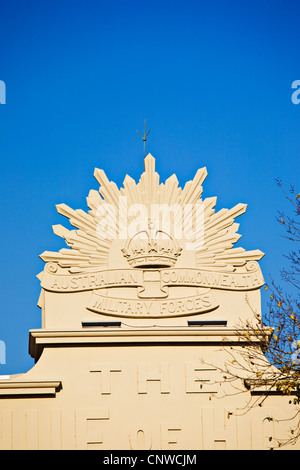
[{"x": 89, "y": 246}]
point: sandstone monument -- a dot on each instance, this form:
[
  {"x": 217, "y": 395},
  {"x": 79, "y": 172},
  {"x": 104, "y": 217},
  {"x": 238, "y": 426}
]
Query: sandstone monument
[{"x": 141, "y": 315}]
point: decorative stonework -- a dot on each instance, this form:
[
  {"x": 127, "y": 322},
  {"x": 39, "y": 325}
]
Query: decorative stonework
[
  {"x": 89, "y": 248},
  {"x": 139, "y": 317},
  {"x": 151, "y": 252},
  {"x": 167, "y": 262}
]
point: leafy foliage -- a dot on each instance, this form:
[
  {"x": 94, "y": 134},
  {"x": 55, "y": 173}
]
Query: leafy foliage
[
  {"x": 270, "y": 356},
  {"x": 284, "y": 307}
]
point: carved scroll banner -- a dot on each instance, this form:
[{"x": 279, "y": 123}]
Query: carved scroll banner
[
  {"x": 247, "y": 280},
  {"x": 106, "y": 305}
]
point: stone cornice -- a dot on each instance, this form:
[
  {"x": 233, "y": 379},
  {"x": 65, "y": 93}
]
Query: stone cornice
[
  {"x": 38, "y": 339},
  {"x": 10, "y": 388}
]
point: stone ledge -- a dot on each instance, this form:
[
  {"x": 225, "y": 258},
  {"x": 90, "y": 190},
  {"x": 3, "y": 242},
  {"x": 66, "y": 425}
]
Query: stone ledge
[
  {"x": 38, "y": 339},
  {"x": 11, "y": 388}
]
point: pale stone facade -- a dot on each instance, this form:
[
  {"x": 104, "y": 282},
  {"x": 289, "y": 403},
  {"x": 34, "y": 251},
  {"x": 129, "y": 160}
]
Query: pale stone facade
[{"x": 137, "y": 331}]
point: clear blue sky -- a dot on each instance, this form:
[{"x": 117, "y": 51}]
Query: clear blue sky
[{"x": 212, "y": 79}]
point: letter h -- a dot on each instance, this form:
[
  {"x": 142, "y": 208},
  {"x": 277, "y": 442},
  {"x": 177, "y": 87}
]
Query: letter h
[{"x": 161, "y": 375}]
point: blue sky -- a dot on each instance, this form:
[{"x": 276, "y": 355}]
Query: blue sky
[{"x": 213, "y": 80}]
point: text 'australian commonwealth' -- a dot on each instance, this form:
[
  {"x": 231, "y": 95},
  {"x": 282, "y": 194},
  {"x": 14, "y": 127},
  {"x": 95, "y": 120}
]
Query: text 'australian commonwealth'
[
  {"x": 199, "y": 303},
  {"x": 136, "y": 278}
]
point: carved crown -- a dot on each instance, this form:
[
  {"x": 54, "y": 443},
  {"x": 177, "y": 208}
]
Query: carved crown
[{"x": 151, "y": 252}]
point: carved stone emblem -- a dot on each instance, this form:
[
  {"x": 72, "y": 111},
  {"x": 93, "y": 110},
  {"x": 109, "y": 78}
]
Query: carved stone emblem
[{"x": 151, "y": 249}]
